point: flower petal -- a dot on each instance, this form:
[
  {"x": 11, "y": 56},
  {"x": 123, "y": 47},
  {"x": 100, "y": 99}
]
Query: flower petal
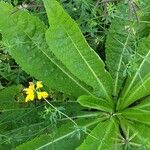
[
  {"x": 29, "y": 91},
  {"x": 39, "y": 84},
  {"x": 41, "y": 95},
  {"x": 31, "y": 85},
  {"x": 44, "y": 94},
  {"x": 29, "y": 97}
]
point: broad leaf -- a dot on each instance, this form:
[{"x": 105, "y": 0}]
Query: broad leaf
[
  {"x": 24, "y": 36},
  {"x": 119, "y": 43},
  {"x": 139, "y": 113},
  {"x": 95, "y": 103},
  {"x": 103, "y": 137},
  {"x": 70, "y": 47},
  {"x": 137, "y": 85},
  {"x": 67, "y": 137}
]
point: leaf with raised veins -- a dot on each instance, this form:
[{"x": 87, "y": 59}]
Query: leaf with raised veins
[
  {"x": 95, "y": 103},
  {"x": 70, "y": 47},
  {"x": 24, "y": 37}
]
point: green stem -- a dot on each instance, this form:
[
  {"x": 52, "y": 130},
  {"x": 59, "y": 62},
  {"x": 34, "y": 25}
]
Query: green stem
[{"x": 61, "y": 112}]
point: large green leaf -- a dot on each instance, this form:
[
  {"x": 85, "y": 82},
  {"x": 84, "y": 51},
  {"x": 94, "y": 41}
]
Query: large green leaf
[
  {"x": 70, "y": 47},
  {"x": 137, "y": 85},
  {"x": 24, "y": 36},
  {"x": 95, "y": 103},
  {"x": 103, "y": 137},
  {"x": 139, "y": 113},
  {"x": 67, "y": 137},
  {"x": 119, "y": 42}
]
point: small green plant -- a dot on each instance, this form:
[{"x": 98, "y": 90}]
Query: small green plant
[{"x": 114, "y": 96}]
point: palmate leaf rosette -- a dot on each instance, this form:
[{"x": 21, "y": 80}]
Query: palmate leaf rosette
[
  {"x": 28, "y": 47},
  {"x": 60, "y": 56}
]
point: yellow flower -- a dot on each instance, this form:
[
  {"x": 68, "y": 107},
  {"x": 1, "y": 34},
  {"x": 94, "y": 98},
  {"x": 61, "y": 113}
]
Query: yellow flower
[
  {"x": 30, "y": 89},
  {"x": 29, "y": 97},
  {"x": 39, "y": 84},
  {"x": 41, "y": 95},
  {"x": 33, "y": 92},
  {"x": 30, "y": 92},
  {"x": 31, "y": 85}
]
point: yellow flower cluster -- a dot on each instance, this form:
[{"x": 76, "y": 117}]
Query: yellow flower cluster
[{"x": 34, "y": 91}]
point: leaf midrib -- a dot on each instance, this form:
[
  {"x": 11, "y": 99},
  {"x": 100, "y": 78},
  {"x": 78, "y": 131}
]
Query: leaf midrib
[
  {"x": 105, "y": 136},
  {"x": 119, "y": 65},
  {"x": 92, "y": 71},
  {"x": 136, "y": 74},
  {"x": 139, "y": 86},
  {"x": 60, "y": 67}
]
